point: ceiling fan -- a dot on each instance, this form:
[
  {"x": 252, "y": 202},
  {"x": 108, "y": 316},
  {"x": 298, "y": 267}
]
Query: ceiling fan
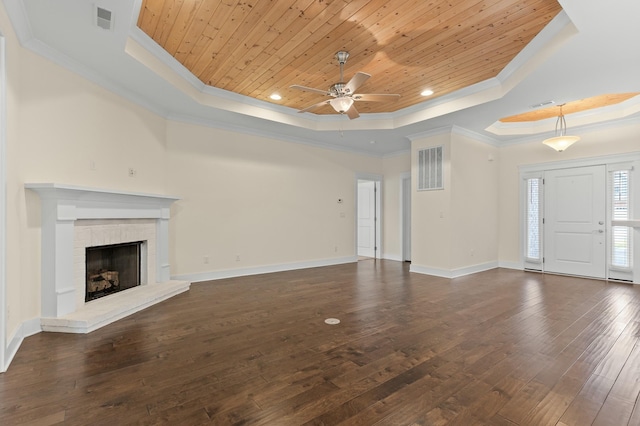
[{"x": 343, "y": 94}]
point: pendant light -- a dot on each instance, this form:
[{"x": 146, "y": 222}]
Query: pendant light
[{"x": 561, "y": 141}]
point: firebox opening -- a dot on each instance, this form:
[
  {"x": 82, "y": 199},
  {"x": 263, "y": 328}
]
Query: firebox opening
[{"x": 112, "y": 268}]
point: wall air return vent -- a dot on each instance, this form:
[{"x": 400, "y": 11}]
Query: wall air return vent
[
  {"x": 430, "y": 169},
  {"x": 104, "y": 18}
]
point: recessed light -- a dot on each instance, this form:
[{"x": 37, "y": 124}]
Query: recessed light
[
  {"x": 275, "y": 97},
  {"x": 427, "y": 92}
]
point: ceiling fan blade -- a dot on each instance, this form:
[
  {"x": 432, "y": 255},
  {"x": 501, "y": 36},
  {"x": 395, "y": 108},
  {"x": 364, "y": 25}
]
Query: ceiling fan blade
[
  {"x": 352, "y": 112},
  {"x": 310, "y": 89},
  {"x": 355, "y": 82},
  {"x": 315, "y": 106},
  {"x": 369, "y": 97}
]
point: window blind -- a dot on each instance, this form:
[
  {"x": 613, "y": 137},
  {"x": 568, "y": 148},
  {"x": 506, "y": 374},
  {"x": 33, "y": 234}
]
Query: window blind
[
  {"x": 620, "y": 235},
  {"x": 533, "y": 219}
]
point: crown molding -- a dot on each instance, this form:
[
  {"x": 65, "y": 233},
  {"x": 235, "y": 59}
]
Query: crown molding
[
  {"x": 455, "y": 130},
  {"x": 462, "y": 131}
]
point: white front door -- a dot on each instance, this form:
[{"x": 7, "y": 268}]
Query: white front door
[
  {"x": 366, "y": 218},
  {"x": 575, "y": 213}
]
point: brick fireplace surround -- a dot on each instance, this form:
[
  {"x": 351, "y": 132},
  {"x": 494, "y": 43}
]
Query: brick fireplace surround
[{"x": 74, "y": 218}]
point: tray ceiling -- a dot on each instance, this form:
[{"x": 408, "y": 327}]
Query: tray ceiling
[
  {"x": 258, "y": 48},
  {"x": 570, "y": 107}
]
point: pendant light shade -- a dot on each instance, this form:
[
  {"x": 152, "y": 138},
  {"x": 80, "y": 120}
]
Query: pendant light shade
[
  {"x": 561, "y": 141},
  {"x": 341, "y": 104}
]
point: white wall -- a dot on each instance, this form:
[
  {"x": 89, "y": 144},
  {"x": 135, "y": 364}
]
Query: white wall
[
  {"x": 393, "y": 167},
  {"x": 474, "y": 202},
  {"x": 272, "y": 203},
  {"x": 431, "y": 219},
  {"x": 595, "y": 142},
  {"x": 454, "y": 230}
]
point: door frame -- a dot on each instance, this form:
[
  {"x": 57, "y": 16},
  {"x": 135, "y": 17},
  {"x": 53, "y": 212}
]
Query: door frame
[
  {"x": 3, "y": 205},
  {"x": 526, "y": 171},
  {"x": 405, "y": 218},
  {"x": 378, "y": 206}
]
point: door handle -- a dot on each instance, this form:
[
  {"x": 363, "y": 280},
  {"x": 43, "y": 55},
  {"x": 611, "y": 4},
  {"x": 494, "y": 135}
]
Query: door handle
[{"x": 601, "y": 223}]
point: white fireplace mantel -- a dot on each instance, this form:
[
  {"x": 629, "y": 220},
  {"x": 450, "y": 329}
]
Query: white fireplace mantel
[{"x": 62, "y": 205}]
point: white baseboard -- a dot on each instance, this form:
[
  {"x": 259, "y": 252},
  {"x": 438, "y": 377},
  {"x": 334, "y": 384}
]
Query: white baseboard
[
  {"x": 511, "y": 265},
  {"x": 26, "y": 329},
  {"x": 453, "y": 273},
  {"x": 396, "y": 257},
  {"x": 243, "y": 272}
]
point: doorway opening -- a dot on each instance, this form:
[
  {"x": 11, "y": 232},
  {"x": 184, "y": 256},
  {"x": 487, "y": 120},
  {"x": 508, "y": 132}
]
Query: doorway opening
[{"x": 368, "y": 208}]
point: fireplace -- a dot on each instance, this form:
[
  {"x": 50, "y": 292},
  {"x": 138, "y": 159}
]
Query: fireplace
[
  {"x": 75, "y": 220},
  {"x": 112, "y": 268}
]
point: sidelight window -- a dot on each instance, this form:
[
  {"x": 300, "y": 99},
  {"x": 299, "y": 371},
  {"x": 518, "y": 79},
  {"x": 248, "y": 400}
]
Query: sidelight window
[
  {"x": 620, "y": 210},
  {"x": 533, "y": 222}
]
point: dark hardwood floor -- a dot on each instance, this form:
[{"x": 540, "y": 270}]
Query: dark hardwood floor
[{"x": 501, "y": 347}]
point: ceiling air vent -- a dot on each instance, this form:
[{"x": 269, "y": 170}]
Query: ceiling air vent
[
  {"x": 542, "y": 104},
  {"x": 103, "y": 18}
]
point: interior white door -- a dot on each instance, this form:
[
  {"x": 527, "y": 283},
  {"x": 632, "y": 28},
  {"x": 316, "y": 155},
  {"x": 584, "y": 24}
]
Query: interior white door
[
  {"x": 366, "y": 218},
  {"x": 574, "y": 221}
]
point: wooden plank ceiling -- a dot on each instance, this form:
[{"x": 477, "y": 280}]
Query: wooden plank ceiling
[
  {"x": 571, "y": 107},
  {"x": 260, "y": 47}
]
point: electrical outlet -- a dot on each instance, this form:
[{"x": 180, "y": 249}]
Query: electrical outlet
[
  {"x": 237, "y": 258},
  {"x": 132, "y": 172}
]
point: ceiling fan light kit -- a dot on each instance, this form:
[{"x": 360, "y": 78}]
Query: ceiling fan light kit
[
  {"x": 341, "y": 104},
  {"x": 561, "y": 140},
  {"x": 343, "y": 94}
]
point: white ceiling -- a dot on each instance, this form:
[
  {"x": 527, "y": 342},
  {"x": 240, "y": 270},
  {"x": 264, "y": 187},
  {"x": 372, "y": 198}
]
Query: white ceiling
[{"x": 588, "y": 50}]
